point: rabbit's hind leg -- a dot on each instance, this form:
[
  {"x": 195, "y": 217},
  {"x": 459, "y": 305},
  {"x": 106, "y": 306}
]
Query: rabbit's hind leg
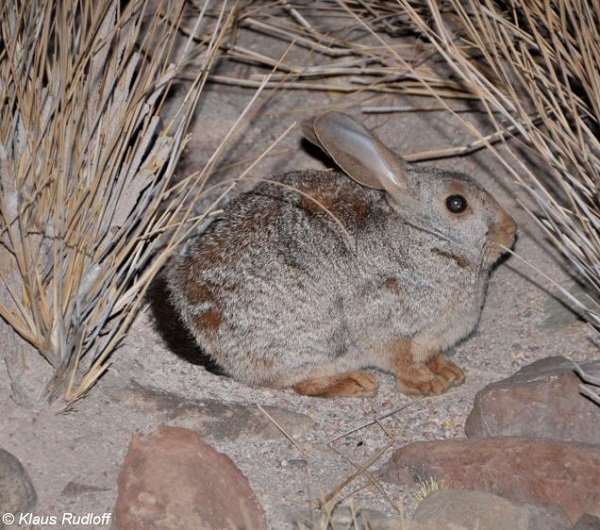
[
  {"x": 419, "y": 371},
  {"x": 353, "y": 384},
  {"x": 431, "y": 378},
  {"x": 446, "y": 369}
]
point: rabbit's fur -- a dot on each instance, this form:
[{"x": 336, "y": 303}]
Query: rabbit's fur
[{"x": 307, "y": 280}]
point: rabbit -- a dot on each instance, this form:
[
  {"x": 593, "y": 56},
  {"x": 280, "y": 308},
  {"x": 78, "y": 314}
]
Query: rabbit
[{"x": 306, "y": 281}]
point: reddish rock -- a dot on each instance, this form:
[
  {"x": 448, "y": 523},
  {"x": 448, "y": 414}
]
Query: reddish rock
[
  {"x": 171, "y": 479},
  {"x": 542, "y": 400},
  {"x": 562, "y": 477}
]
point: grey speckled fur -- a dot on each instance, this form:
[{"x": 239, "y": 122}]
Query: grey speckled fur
[{"x": 277, "y": 293}]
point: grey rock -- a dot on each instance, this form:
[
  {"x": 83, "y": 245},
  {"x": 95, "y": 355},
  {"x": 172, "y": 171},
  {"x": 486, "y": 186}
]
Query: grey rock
[
  {"x": 172, "y": 480},
  {"x": 17, "y": 493},
  {"x": 453, "y": 508},
  {"x": 559, "y": 315},
  {"x": 542, "y": 400},
  {"x": 215, "y": 419},
  {"x": 587, "y": 522}
]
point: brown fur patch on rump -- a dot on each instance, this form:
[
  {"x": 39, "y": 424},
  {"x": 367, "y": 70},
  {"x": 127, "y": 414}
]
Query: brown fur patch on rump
[
  {"x": 392, "y": 285},
  {"x": 210, "y": 319}
]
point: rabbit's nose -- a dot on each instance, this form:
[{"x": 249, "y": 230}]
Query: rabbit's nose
[{"x": 504, "y": 231}]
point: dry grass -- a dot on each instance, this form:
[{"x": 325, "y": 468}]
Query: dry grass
[
  {"x": 590, "y": 381},
  {"x": 86, "y": 171},
  {"x": 333, "y": 52},
  {"x": 428, "y": 487}
]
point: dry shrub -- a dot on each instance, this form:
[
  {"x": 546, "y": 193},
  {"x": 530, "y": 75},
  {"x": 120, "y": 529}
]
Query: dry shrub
[{"x": 87, "y": 168}]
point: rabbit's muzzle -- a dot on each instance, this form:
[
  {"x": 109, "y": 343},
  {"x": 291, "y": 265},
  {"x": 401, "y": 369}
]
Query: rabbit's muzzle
[{"x": 503, "y": 232}]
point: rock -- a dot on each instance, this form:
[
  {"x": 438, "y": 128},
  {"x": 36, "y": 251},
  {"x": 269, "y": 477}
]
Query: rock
[
  {"x": 171, "y": 480},
  {"x": 542, "y": 400},
  {"x": 453, "y": 508},
  {"x": 587, "y": 522},
  {"x": 558, "y": 314},
  {"x": 562, "y": 477},
  {"x": 215, "y": 419},
  {"x": 17, "y": 493}
]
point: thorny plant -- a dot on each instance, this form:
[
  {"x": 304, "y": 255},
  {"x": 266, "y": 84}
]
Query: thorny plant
[{"x": 86, "y": 171}]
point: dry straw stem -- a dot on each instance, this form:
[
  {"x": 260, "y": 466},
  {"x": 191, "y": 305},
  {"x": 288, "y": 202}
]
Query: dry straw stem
[
  {"x": 428, "y": 487},
  {"x": 86, "y": 170},
  {"x": 535, "y": 67},
  {"x": 589, "y": 379},
  {"x": 372, "y": 481},
  {"x": 332, "y": 52}
]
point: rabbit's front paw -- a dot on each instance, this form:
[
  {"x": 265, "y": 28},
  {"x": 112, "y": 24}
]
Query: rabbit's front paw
[
  {"x": 431, "y": 378},
  {"x": 355, "y": 384}
]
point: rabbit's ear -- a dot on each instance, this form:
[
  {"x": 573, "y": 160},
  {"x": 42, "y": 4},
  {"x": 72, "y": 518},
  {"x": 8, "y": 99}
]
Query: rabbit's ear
[
  {"x": 308, "y": 130},
  {"x": 359, "y": 153}
]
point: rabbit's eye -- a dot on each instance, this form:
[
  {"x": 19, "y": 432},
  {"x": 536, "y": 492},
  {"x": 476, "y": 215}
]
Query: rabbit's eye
[{"x": 456, "y": 203}]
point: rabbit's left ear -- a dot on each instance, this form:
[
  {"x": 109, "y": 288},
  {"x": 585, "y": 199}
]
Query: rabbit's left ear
[{"x": 359, "y": 153}]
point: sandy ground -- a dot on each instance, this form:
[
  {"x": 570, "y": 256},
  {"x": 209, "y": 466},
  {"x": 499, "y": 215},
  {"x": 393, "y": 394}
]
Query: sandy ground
[{"x": 74, "y": 458}]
